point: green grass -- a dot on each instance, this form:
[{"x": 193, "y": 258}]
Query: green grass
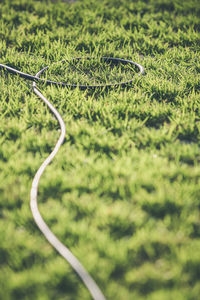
[{"x": 123, "y": 193}]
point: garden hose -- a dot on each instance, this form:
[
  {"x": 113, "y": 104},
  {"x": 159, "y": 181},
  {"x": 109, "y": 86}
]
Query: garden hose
[{"x": 49, "y": 235}]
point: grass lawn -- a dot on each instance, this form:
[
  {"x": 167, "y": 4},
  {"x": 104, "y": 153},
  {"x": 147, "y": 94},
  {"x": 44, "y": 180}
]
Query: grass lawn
[{"x": 123, "y": 193}]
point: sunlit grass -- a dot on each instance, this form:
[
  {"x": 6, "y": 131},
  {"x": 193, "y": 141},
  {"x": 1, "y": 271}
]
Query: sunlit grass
[{"x": 123, "y": 192}]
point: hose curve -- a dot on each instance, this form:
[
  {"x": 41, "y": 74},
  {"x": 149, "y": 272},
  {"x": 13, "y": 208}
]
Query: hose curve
[
  {"x": 89, "y": 282},
  {"x": 49, "y": 235}
]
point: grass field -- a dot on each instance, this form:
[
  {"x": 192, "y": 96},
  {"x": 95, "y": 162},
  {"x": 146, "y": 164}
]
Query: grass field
[{"x": 123, "y": 193}]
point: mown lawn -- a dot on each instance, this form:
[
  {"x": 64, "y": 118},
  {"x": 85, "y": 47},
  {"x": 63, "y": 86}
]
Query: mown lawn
[{"x": 123, "y": 193}]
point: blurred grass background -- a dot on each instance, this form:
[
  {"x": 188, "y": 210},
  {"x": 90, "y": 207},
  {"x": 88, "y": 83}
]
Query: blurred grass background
[{"x": 123, "y": 192}]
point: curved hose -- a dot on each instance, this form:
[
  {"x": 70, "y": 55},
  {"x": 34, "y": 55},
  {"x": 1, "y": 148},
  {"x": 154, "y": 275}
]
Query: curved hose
[{"x": 49, "y": 235}]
